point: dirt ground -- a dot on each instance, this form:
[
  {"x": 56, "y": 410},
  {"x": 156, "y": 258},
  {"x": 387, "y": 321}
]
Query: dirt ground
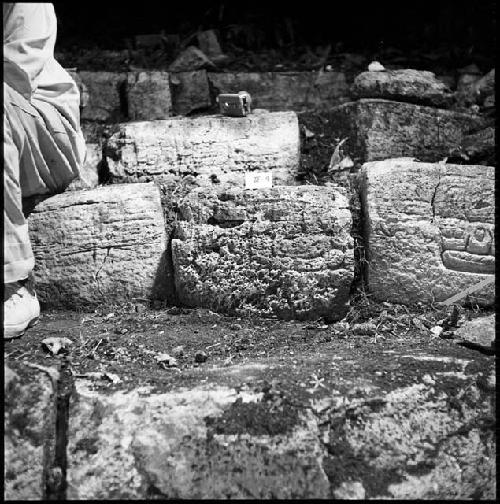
[{"x": 129, "y": 341}]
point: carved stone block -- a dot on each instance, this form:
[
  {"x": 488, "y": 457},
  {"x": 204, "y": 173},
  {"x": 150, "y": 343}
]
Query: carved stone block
[{"x": 429, "y": 229}]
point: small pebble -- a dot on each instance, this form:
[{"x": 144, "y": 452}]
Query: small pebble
[
  {"x": 200, "y": 356},
  {"x": 178, "y": 351},
  {"x": 428, "y": 379}
]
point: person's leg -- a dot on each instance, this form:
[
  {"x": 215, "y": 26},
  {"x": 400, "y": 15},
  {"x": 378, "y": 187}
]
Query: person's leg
[{"x": 38, "y": 159}]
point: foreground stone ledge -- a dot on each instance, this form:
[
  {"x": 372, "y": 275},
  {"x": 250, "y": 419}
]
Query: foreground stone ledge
[
  {"x": 140, "y": 444},
  {"x": 213, "y": 148},
  {"x": 429, "y": 229},
  {"x": 100, "y": 245},
  {"x": 381, "y": 129},
  {"x": 285, "y": 251},
  {"x": 285, "y": 90},
  {"x": 29, "y": 423}
]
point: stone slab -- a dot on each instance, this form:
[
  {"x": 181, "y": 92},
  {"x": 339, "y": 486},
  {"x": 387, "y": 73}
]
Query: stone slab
[
  {"x": 104, "y": 96},
  {"x": 206, "y": 147},
  {"x": 190, "y": 91},
  {"x": 381, "y": 129},
  {"x": 285, "y": 251},
  {"x": 429, "y": 229},
  {"x": 29, "y": 423},
  {"x": 148, "y": 95},
  {"x": 100, "y": 245},
  {"x": 407, "y": 85},
  {"x": 295, "y": 91}
]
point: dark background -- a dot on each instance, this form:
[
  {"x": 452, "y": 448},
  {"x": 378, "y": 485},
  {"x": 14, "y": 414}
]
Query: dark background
[{"x": 467, "y": 27}]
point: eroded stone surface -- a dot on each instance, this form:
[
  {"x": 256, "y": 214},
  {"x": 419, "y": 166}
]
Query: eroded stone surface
[
  {"x": 99, "y": 245},
  {"x": 285, "y": 90},
  {"x": 29, "y": 425},
  {"x": 407, "y": 85},
  {"x": 430, "y": 229},
  {"x": 381, "y": 129},
  {"x": 207, "y": 147},
  {"x": 140, "y": 444},
  {"x": 148, "y": 96},
  {"x": 285, "y": 251}
]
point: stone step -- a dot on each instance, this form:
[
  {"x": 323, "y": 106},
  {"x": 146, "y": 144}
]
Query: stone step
[
  {"x": 153, "y": 94},
  {"x": 285, "y": 251},
  {"x": 429, "y": 229},
  {"x": 104, "y": 245},
  {"x": 297, "y": 91},
  {"x": 211, "y": 148}
]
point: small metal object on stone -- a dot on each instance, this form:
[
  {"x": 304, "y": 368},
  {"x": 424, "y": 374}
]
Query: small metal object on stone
[{"x": 235, "y": 105}]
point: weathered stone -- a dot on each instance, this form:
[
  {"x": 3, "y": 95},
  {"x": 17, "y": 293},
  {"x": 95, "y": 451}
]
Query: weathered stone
[
  {"x": 479, "y": 331},
  {"x": 89, "y": 174},
  {"x": 408, "y": 85},
  {"x": 190, "y": 59},
  {"x": 477, "y": 91},
  {"x": 137, "y": 444},
  {"x": 209, "y": 45},
  {"x": 429, "y": 229},
  {"x": 207, "y": 147},
  {"x": 104, "y": 95},
  {"x": 190, "y": 91},
  {"x": 29, "y": 424},
  {"x": 148, "y": 95},
  {"x": 285, "y": 251},
  {"x": 295, "y": 91},
  {"x": 101, "y": 245},
  {"x": 383, "y": 129}
]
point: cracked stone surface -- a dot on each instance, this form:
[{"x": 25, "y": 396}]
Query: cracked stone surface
[
  {"x": 285, "y": 251},
  {"x": 207, "y": 147},
  {"x": 430, "y": 229},
  {"x": 285, "y": 90},
  {"x": 379, "y": 129},
  {"x": 100, "y": 244}
]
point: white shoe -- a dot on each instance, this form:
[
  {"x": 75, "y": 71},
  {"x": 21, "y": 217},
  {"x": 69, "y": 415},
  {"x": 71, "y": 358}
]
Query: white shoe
[{"x": 21, "y": 310}]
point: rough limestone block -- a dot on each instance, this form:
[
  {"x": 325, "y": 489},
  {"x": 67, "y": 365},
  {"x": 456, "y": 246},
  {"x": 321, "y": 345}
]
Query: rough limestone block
[
  {"x": 190, "y": 91},
  {"x": 285, "y": 90},
  {"x": 84, "y": 92},
  {"x": 429, "y": 229},
  {"x": 104, "y": 102},
  {"x": 98, "y": 246},
  {"x": 408, "y": 85},
  {"x": 89, "y": 175},
  {"x": 142, "y": 445},
  {"x": 29, "y": 423},
  {"x": 383, "y": 129},
  {"x": 285, "y": 251},
  {"x": 208, "y": 147},
  {"x": 148, "y": 95}
]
